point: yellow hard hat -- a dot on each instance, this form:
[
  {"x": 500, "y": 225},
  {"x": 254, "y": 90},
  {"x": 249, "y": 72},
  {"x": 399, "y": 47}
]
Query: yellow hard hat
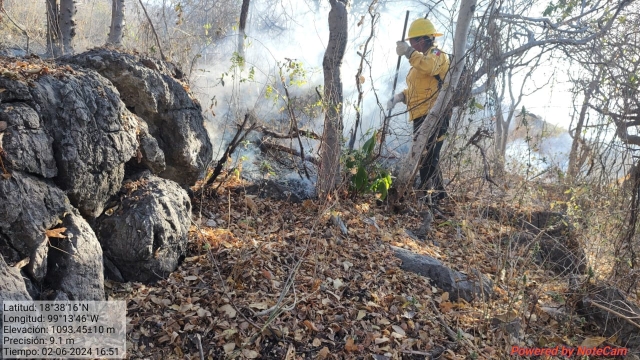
[{"x": 422, "y": 27}]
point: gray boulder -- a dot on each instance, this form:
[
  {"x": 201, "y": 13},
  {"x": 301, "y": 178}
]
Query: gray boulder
[
  {"x": 604, "y": 307},
  {"x": 149, "y": 156},
  {"x": 26, "y": 145},
  {"x": 457, "y": 284},
  {"x": 93, "y": 136},
  {"x": 75, "y": 262},
  {"x": 144, "y": 232},
  {"x": 150, "y": 90},
  {"x": 12, "y": 286},
  {"x": 28, "y": 207}
]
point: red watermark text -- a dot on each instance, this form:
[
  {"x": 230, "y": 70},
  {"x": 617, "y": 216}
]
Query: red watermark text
[{"x": 568, "y": 351}]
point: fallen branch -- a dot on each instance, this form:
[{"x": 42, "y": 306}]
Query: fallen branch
[
  {"x": 292, "y": 133},
  {"x": 626, "y": 318},
  {"x": 266, "y": 146}
]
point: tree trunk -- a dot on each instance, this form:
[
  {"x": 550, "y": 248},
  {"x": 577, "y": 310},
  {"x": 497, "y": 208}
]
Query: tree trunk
[
  {"x": 329, "y": 171},
  {"x": 54, "y": 47},
  {"x": 574, "y": 163},
  {"x": 244, "y": 13},
  {"x": 67, "y": 24},
  {"x": 409, "y": 164},
  {"x": 116, "y": 30}
]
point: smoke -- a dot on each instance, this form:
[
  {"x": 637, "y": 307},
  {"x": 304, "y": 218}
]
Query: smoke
[{"x": 298, "y": 30}]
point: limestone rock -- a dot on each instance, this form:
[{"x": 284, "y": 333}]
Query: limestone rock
[
  {"x": 144, "y": 233},
  {"x": 93, "y": 136},
  {"x": 175, "y": 120},
  {"x": 75, "y": 262},
  {"x": 457, "y": 284}
]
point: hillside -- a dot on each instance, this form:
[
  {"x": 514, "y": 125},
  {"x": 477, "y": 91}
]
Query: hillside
[{"x": 274, "y": 280}]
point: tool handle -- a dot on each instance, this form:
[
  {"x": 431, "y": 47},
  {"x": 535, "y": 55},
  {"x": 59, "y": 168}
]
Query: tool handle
[{"x": 395, "y": 80}]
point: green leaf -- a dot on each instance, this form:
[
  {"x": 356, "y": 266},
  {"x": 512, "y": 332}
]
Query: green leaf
[
  {"x": 479, "y": 106},
  {"x": 361, "y": 178},
  {"x": 370, "y": 144}
]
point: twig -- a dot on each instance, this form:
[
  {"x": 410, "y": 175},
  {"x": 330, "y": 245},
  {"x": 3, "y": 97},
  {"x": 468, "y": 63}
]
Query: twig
[
  {"x": 359, "y": 76},
  {"x": 292, "y": 133},
  {"x": 237, "y": 139},
  {"x": 453, "y": 336},
  {"x": 294, "y": 127},
  {"x": 197, "y": 340},
  {"x": 264, "y": 146},
  {"x": 480, "y": 133},
  {"x": 154, "y": 30},
  {"x": 24, "y": 32},
  {"x": 614, "y": 313}
]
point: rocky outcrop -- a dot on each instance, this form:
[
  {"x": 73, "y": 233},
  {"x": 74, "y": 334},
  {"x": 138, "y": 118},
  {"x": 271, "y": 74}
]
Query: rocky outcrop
[
  {"x": 613, "y": 314},
  {"x": 26, "y": 144},
  {"x": 457, "y": 284},
  {"x": 11, "y": 284},
  {"x": 549, "y": 237},
  {"x": 150, "y": 90},
  {"x": 144, "y": 233},
  {"x": 93, "y": 136},
  {"x": 71, "y": 149},
  {"x": 75, "y": 261}
]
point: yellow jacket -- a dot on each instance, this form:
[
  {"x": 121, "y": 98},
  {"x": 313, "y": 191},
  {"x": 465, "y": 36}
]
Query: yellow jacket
[{"x": 422, "y": 86}]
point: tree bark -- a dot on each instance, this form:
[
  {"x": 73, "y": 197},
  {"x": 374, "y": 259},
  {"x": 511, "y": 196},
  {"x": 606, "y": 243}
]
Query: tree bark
[
  {"x": 116, "y": 29},
  {"x": 67, "y": 25},
  {"x": 574, "y": 163},
  {"x": 244, "y": 13},
  {"x": 409, "y": 165},
  {"x": 329, "y": 171},
  {"x": 54, "y": 47}
]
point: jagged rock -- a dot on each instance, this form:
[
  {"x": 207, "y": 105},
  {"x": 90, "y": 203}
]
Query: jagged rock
[
  {"x": 175, "y": 120},
  {"x": 12, "y": 286},
  {"x": 549, "y": 235},
  {"x": 457, "y": 284},
  {"x": 26, "y": 145},
  {"x": 13, "y": 91},
  {"x": 150, "y": 156},
  {"x": 75, "y": 262},
  {"x": 610, "y": 323},
  {"x": 551, "y": 252},
  {"x": 144, "y": 233},
  {"x": 28, "y": 207},
  {"x": 93, "y": 136}
]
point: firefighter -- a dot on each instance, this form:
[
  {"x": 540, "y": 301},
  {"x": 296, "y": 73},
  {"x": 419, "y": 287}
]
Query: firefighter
[{"x": 429, "y": 65}]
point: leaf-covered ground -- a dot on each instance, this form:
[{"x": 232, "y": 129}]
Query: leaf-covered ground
[{"x": 275, "y": 280}]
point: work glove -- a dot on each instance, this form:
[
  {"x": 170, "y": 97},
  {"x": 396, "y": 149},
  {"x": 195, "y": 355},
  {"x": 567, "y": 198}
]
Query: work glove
[
  {"x": 399, "y": 97},
  {"x": 402, "y": 48}
]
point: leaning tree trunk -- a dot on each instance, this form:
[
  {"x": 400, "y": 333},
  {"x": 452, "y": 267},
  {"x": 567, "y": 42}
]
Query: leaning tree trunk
[
  {"x": 67, "y": 24},
  {"x": 244, "y": 13},
  {"x": 54, "y": 47},
  {"x": 116, "y": 30},
  {"x": 409, "y": 164},
  {"x": 574, "y": 161},
  {"x": 329, "y": 171}
]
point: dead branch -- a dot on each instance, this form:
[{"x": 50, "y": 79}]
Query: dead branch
[
  {"x": 240, "y": 135},
  {"x": 23, "y": 31},
  {"x": 153, "y": 29},
  {"x": 360, "y": 78},
  {"x": 292, "y": 133},
  {"x": 480, "y": 133},
  {"x": 294, "y": 127},
  {"x": 266, "y": 146}
]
